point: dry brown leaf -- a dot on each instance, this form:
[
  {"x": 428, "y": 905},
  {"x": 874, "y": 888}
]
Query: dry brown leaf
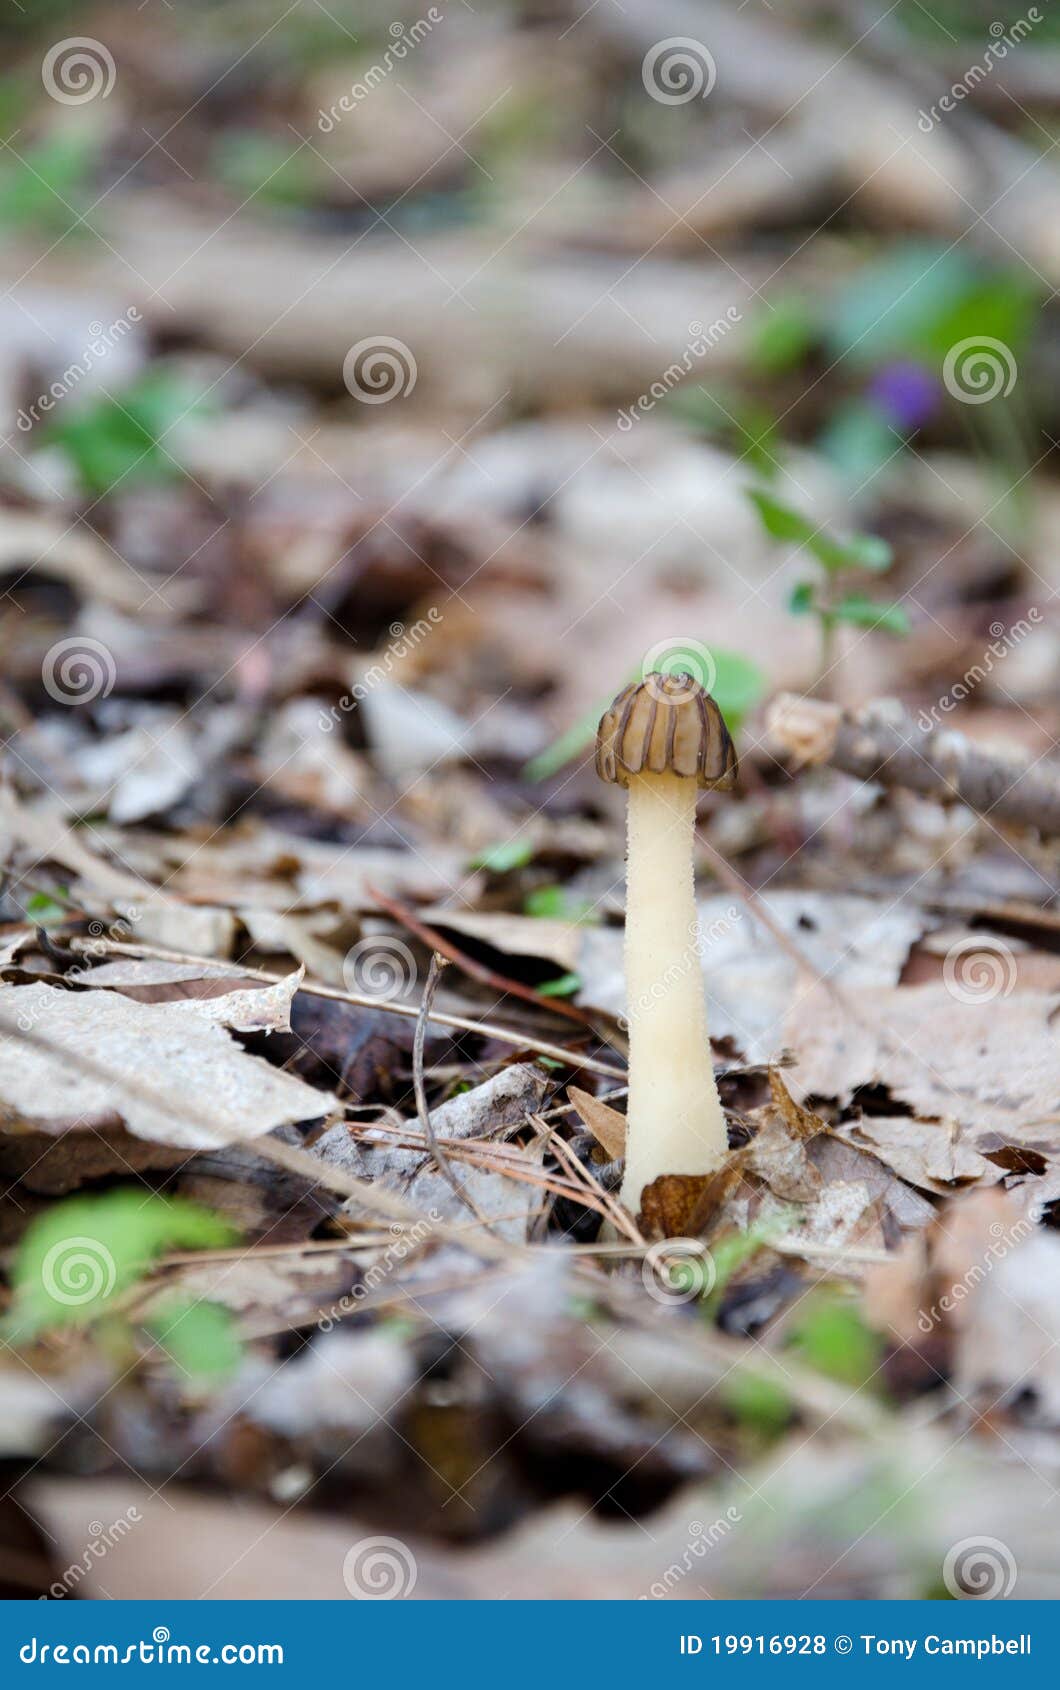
[
  {"x": 991, "y": 1066},
  {"x": 607, "y": 1125},
  {"x": 216, "y": 995},
  {"x": 516, "y": 935},
  {"x": 931, "y": 1155},
  {"x": 174, "y": 1076}
]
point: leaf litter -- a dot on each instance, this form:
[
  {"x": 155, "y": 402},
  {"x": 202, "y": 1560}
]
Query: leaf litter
[{"x": 273, "y": 1228}]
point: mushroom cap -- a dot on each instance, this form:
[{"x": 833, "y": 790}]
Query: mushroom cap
[{"x": 665, "y": 724}]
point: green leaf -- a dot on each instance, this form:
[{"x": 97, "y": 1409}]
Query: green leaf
[
  {"x": 858, "y": 440},
  {"x": 75, "y": 1259},
  {"x": 757, "y": 1401},
  {"x": 45, "y": 188},
  {"x": 863, "y": 612},
  {"x": 555, "y": 903},
  {"x": 44, "y": 910},
  {"x": 832, "y": 1337},
  {"x": 738, "y": 686},
  {"x": 783, "y": 336},
  {"x": 200, "y": 1338},
  {"x": 569, "y": 745},
  {"x": 893, "y": 305},
  {"x": 503, "y": 858},
  {"x": 122, "y": 438},
  {"x": 781, "y": 522},
  {"x": 719, "y": 414},
  {"x": 922, "y": 299},
  {"x": 803, "y": 598},
  {"x": 563, "y": 987}
]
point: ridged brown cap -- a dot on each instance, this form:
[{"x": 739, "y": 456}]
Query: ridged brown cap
[{"x": 665, "y": 724}]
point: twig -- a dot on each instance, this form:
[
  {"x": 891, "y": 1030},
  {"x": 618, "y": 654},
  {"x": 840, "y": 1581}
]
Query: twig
[
  {"x": 478, "y": 970},
  {"x": 882, "y": 743},
  {"x": 434, "y": 974}
]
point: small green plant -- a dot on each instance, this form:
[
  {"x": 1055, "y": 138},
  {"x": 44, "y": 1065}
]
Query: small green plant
[
  {"x": 121, "y": 438},
  {"x": 44, "y": 190},
  {"x": 831, "y": 1337},
  {"x": 77, "y": 1263},
  {"x": 829, "y": 597},
  {"x": 757, "y": 1402},
  {"x": 558, "y": 903},
  {"x": 504, "y": 857}
]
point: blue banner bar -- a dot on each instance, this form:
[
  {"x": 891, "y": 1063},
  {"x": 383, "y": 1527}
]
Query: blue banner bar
[{"x": 530, "y": 1645}]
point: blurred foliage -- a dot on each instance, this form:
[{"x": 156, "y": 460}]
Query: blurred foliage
[
  {"x": 254, "y": 164},
  {"x": 45, "y": 188},
  {"x": 824, "y": 598},
  {"x": 77, "y": 1258},
  {"x": 503, "y": 858},
  {"x": 558, "y": 903},
  {"x": 831, "y": 1336},
  {"x": 118, "y": 439},
  {"x": 757, "y": 1402},
  {"x": 199, "y": 1338}
]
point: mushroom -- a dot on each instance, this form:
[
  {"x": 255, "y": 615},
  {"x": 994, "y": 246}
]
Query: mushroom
[{"x": 663, "y": 739}]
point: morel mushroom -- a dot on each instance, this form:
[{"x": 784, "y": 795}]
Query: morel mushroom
[{"x": 664, "y": 739}]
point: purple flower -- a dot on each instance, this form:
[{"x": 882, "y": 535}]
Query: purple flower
[{"x": 906, "y": 393}]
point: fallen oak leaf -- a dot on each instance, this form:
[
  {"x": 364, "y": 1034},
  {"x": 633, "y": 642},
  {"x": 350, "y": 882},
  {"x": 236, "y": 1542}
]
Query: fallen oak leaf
[
  {"x": 990, "y": 1065},
  {"x": 216, "y": 994},
  {"x": 224, "y": 1094},
  {"x": 607, "y": 1125}
]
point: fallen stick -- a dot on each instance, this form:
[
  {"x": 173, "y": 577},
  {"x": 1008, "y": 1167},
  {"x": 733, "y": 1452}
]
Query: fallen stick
[{"x": 883, "y": 743}]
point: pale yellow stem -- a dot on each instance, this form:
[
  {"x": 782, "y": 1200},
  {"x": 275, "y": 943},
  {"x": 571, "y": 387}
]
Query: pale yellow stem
[{"x": 675, "y": 1120}]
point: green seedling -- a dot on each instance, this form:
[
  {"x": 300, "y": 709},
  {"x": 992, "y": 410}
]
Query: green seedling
[
  {"x": 76, "y": 1265},
  {"x": 124, "y": 438},
  {"x": 828, "y": 597}
]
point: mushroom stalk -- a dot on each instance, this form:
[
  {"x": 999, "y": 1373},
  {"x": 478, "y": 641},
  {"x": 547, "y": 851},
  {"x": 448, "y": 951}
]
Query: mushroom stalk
[{"x": 675, "y": 1122}]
